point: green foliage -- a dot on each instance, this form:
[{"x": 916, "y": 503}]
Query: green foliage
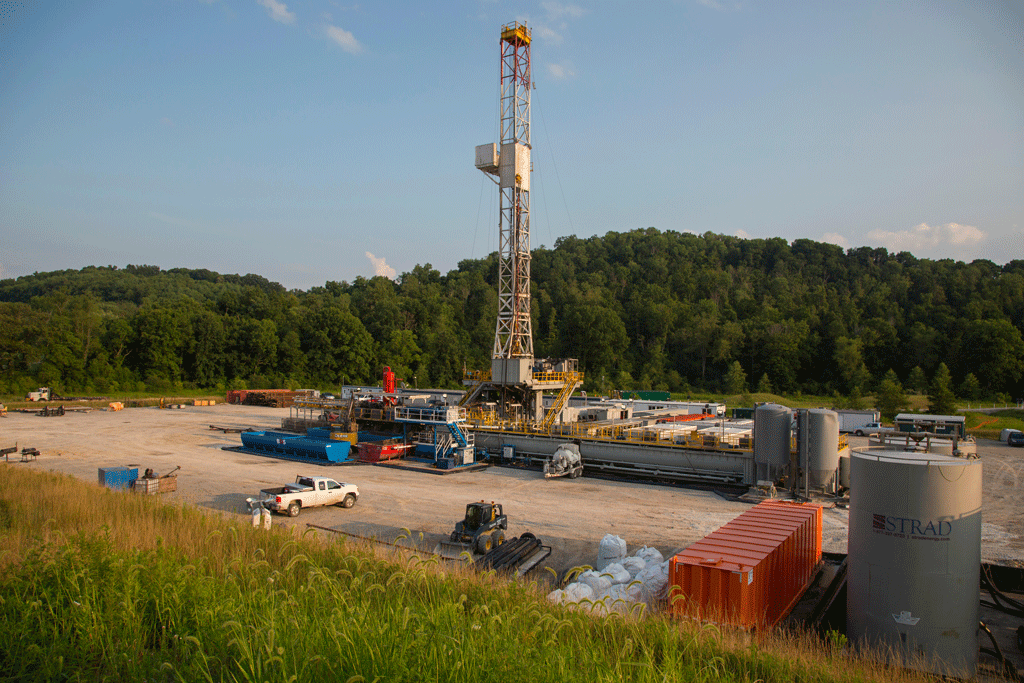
[
  {"x": 971, "y": 388},
  {"x": 856, "y": 399},
  {"x": 735, "y": 379},
  {"x": 916, "y": 381},
  {"x": 890, "y": 398},
  {"x": 941, "y": 400},
  {"x": 671, "y": 310}
]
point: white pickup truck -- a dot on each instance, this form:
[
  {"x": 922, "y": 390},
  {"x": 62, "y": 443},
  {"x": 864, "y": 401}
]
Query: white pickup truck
[
  {"x": 873, "y": 428},
  {"x": 309, "y": 492}
]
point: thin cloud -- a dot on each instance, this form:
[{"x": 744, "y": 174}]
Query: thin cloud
[
  {"x": 548, "y": 34},
  {"x": 556, "y": 20},
  {"x": 167, "y": 122},
  {"x": 563, "y": 70},
  {"x": 278, "y": 11},
  {"x": 344, "y": 39},
  {"x": 556, "y": 10},
  {"x": 711, "y": 4},
  {"x": 743, "y": 234},
  {"x": 836, "y": 239},
  {"x": 380, "y": 267},
  {"x": 927, "y": 238}
]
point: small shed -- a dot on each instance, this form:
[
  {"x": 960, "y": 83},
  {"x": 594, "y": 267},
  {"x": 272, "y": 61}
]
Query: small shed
[{"x": 952, "y": 425}]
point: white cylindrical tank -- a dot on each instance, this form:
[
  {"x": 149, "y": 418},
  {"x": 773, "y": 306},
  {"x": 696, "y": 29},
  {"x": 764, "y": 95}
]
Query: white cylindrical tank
[
  {"x": 772, "y": 430},
  {"x": 914, "y": 558},
  {"x": 822, "y": 446}
]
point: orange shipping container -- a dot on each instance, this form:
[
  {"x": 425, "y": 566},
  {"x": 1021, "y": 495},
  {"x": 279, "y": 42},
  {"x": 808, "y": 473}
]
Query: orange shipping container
[{"x": 751, "y": 571}]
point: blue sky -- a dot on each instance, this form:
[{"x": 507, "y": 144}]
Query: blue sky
[{"x": 312, "y": 140}]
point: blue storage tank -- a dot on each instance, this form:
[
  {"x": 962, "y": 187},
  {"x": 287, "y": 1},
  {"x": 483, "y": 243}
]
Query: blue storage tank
[
  {"x": 267, "y": 441},
  {"x": 310, "y": 447},
  {"x": 119, "y": 478}
]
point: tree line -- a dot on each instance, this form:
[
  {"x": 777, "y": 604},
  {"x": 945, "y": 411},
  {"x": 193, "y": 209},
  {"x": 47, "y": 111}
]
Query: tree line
[{"x": 640, "y": 309}]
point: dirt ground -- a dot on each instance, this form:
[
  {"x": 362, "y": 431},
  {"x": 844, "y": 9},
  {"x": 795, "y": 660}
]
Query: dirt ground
[{"x": 570, "y": 515}]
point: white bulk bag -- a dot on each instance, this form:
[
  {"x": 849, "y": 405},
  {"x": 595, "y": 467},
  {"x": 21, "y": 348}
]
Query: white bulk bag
[
  {"x": 616, "y": 573},
  {"x": 612, "y": 549},
  {"x": 599, "y": 584}
]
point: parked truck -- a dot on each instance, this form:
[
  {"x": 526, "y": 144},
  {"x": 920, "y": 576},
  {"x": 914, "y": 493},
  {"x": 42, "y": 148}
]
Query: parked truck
[
  {"x": 44, "y": 394},
  {"x": 309, "y": 492},
  {"x": 851, "y": 420},
  {"x": 872, "y": 428}
]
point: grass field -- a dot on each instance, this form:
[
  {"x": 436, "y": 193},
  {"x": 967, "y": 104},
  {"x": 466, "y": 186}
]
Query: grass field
[{"x": 99, "y": 585}]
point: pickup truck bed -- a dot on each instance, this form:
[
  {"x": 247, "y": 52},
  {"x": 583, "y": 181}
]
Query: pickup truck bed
[
  {"x": 290, "y": 488},
  {"x": 308, "y": 492}
]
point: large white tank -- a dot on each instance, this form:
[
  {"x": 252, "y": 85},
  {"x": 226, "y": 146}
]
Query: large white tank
[
  {"x": 772, "y": 428},
  {"x": 914, "y": 558},
  {"x": 822, "y": 446}
]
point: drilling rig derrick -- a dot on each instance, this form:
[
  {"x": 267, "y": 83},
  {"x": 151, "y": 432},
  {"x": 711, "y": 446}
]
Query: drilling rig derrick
[{"x": 516, "y": 380}]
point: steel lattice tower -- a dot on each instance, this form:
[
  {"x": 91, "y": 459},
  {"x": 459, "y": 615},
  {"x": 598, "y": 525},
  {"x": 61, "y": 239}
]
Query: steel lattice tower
[{"x": 513, "y": 334}]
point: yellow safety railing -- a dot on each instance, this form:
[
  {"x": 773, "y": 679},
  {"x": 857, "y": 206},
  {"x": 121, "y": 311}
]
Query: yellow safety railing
[
  {"x": 476, "y": 375},
  {"x": 539, "y": 377},
  {"x": 558, "y": 377}
]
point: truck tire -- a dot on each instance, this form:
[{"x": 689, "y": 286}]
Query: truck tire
[
  {"x": 348, "y": 501},
  {"x": 293, "y": 508},
  {"x": 483, "y": 544},
  {"x": 859, "y": 433}
]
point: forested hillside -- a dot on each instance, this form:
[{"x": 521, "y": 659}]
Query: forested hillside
[{"x": 639, "y": 309}]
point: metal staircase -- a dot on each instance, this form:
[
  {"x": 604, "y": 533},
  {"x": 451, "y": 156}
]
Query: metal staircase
[{"x": 572, "y": 381}]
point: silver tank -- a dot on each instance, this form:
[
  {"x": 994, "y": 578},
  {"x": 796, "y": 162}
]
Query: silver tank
[
  {"x": 914, "y": 558},
  {"x": 822, "y": 446},
  {"x": 772, "y": 427}
]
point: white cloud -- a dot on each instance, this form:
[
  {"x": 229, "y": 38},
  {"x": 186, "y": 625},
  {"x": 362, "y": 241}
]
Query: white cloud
[
  {"x": 548, "y": 34},
  {"x": 167, "y": 122},
  {"x": 743, "y": 234},
  {"x": 557, "y": 10},
  {"x": 380, "y": 267},
  {"x": 925, "y": 238},
  {"x": 563, "y": 70},
  {"x": 344, "y": 39},
  {"x": 836, "y": 239},
  {"x": 278, "y": 11},
  {"x": 711, "y": 3},
  {"x": 556, "y": 20}
]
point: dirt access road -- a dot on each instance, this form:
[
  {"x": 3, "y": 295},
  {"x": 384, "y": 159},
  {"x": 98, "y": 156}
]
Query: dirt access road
[{"x": 570, "y": 515}]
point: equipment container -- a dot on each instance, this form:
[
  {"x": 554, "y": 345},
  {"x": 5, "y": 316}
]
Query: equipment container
[
  {"x": 148, "y": 486},
  {"x": 751, "y": 571},
  {"x": 118, "y": 477}
]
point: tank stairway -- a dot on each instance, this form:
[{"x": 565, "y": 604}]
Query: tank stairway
[
  {"x": 458, "y": 435},
  {"x": 572, "y": 380}
]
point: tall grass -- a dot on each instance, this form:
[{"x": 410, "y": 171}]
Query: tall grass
[{"x": 100, "y": 585}]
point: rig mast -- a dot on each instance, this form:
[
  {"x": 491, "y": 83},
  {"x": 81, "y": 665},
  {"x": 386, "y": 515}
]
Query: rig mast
[
  {"x": 515, "y": 375},
  {"x": 513, "y": 333}
]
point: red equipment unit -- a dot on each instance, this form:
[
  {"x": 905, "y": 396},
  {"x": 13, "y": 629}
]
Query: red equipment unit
[
  {"x": 376, "y": 451},
  {"x": 750, "y": 572},
  {"x": 389, "y": 380}
]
